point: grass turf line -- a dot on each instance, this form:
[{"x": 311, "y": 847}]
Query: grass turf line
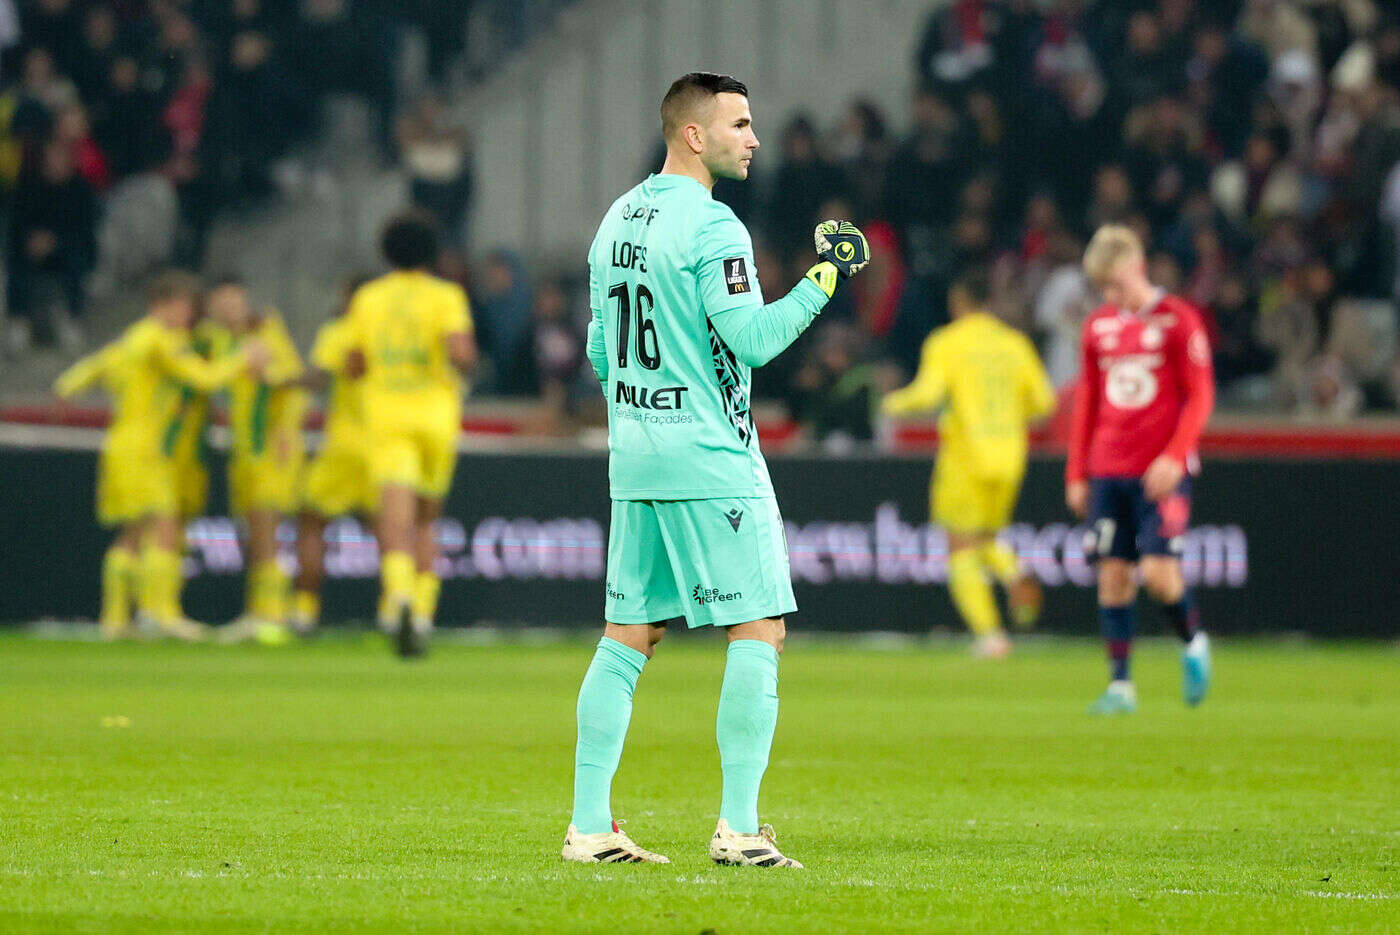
[{"x": 329, "y": 786}]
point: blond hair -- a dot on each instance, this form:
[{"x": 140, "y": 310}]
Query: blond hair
[{"x": 1110, "y": 244}]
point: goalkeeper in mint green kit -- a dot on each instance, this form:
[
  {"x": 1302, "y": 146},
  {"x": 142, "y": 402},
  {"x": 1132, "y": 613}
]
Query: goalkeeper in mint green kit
[{"x": 678, "y": 321}]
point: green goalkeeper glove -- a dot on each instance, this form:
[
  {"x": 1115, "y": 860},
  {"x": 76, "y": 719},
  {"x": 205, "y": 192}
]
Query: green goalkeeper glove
[{"x": 844, "y": 252}]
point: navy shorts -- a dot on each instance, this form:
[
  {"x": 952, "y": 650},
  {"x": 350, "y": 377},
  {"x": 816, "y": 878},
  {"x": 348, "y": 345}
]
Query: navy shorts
[{"x": 1124, "y": 524}]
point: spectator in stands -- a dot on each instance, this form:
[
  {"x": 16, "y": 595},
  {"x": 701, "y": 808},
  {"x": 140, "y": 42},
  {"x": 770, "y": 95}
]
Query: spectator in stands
[
  {"x": 43, "y": 93},
  {"x": 861, "y": 149},
  {"x": 556, "y": 350},
  {"x": 800, "y": 183},
  {"x": 439, "y": 167},
  {"x": 503, "y": 306},
  {"x": 835, "y": 393},
  {"x": 925, "y": 174},
  {"x": 126, "y": 120},
  {"x": 1061, "y": 306},
  {"x": 184, "y": 119},
  {"x": 53, "y": 25},
  {"x": 1164, "y": 158},
  {"x": 956, "y": 48},
  {"x": 53, "y": 228},
  {"x": 1238, "y": 353},
  {"x": 72, "y": 130},
  {"x": 1112, "y": 199},
  {"x": 93, "y": 68},
  {"x": 255, "y": 110},
  {"x": 1146, "y": 69},
  {"x": 343, "y": 48}
]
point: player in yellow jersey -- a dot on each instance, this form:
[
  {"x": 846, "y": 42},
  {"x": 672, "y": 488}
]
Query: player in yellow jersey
[
  {"x": 412, "y": 337},
  {"x": 337, "y": 482},
  {"x": 192, "y": 451},
  {"x": 989, "y": 383},
  {"x": 146, "y": 371},
  {"x": 265, "y": 413}
]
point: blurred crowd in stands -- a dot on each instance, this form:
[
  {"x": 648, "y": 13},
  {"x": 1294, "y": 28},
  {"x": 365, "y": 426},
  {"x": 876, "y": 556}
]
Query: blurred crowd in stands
[
  {"x": 1254, "y": 144},
  {"x": 140, "y": 120}
]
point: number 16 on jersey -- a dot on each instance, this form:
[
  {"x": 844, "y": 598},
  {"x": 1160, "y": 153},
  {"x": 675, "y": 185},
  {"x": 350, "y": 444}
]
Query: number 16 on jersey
[{"x": 648, "y": 348}]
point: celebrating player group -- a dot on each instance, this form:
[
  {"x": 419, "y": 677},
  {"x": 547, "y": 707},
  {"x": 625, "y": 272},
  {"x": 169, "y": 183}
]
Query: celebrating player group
[
  {"x": 678, "y": 321},
  {"x": 392, "y": 360}
]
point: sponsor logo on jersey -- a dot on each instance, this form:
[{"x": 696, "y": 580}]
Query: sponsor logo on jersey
[
  {"x": 1152, "y": 337},
  {"x": 735, "y": 517},
  {"x": 640, "y": 397},
  {"x": 1131, "y": 381},
  {"x": 736, "y": 276},
  {"x": 703, "y": 595}
]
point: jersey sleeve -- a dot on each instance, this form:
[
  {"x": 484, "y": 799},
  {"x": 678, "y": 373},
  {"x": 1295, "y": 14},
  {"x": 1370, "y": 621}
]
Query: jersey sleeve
[
  {"x": 732, "y": 299},
  {"x": 284, "y": 364},
  {"x": 1191, "y": 358},
  {"x": 177, "y": 360},
  {"x": 328, "y": 351},
  {"x": 456, "y": 315},
  {"x": 86, "y": 372},
  {"x": 1039, "y": 394},
  {"x": 723, "y": 262},
  {"x": 353, "y": 329},
  {"x": 1086, "y": 407},
  {"x": 930, "y": 385},
  {"x": 597, "y": 344}
]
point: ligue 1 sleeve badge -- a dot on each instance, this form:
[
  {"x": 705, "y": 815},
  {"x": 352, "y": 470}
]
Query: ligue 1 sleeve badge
[{"x": 736, "y": 276}]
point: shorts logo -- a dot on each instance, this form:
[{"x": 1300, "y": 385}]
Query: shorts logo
[
  {"x": 735, "y": 516},
  {"x": 614, "y": 594},
  {"x": 703, "y": 595},
  {"x": 736, "y": 276}
]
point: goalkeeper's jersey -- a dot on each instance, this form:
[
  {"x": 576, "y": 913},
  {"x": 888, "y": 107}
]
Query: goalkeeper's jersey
[{"x": 665, "y": 259}]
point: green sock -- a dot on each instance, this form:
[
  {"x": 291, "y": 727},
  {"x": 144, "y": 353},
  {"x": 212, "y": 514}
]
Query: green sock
[
  {"x": 604, "y": 711},
  {"x": 748, "y": 715}
]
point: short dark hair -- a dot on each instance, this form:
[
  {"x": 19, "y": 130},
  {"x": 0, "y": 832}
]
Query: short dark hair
[
  {"x": 410, "y": 241},
  {"x": 172, "y": 284},
  {"x": 228, "y": 281},
  {"x": 687, "y": 91},
  {"x": 975, "y": 283}
]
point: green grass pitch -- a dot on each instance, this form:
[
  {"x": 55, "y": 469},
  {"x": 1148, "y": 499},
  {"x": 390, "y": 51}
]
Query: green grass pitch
[{"x": 331, "y": 787}]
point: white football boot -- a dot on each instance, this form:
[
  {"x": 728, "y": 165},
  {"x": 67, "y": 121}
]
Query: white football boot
[
  {"x": 749, "y": 850},
  {"x": 607, "y": 847},
  {"x": 992, "y": 645}
]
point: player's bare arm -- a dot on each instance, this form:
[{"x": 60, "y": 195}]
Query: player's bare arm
[{"x": 461, "y": 350}]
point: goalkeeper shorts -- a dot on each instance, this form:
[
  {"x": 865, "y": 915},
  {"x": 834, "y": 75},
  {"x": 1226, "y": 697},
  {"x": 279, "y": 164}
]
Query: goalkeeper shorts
[{"x": 714, "y": 562}]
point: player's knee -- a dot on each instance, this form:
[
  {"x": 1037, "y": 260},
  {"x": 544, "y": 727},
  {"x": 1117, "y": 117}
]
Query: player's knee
[
  {"x": 642, "y": 638},
  {"x": 1116, "y": 584},
  {"x": 1162, "y": 578},
  {"x": 779, "y": 634}
]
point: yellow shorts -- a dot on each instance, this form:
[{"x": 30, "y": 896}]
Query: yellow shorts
[
  {"x": 964, "y": 501},
  {"x": 337, "y": 483},
  {"x": 263, "y": 483},
  {"x": 191, "y": 487},
  {"x": 134, "y": 486},
  {"x": 420, "y": 456}
]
